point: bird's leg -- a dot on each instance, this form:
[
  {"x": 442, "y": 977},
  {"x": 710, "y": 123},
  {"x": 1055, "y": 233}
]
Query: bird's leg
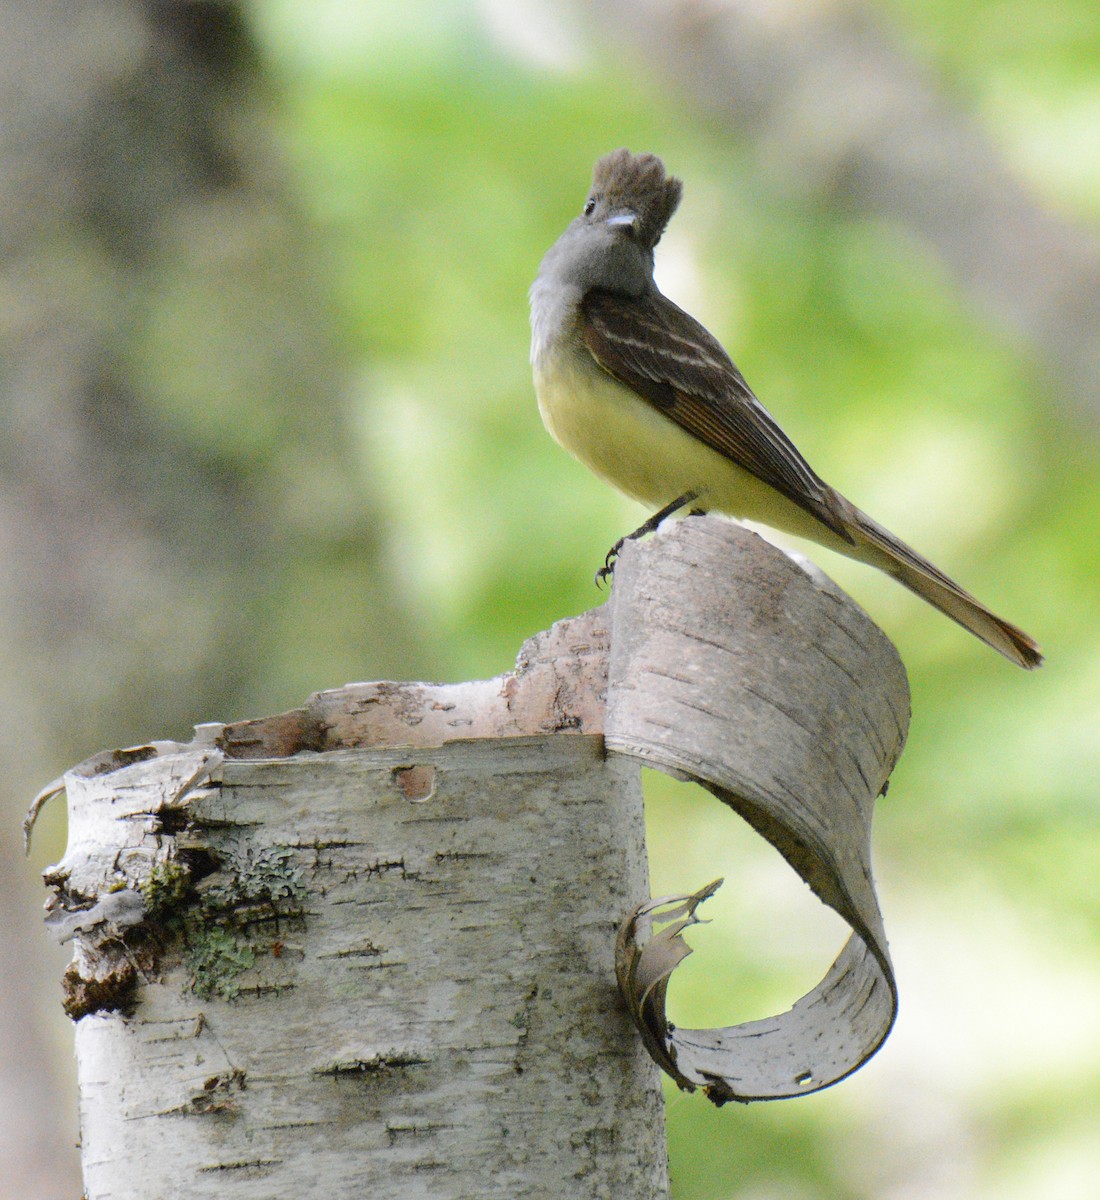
[{"x": 608, "y": 568}]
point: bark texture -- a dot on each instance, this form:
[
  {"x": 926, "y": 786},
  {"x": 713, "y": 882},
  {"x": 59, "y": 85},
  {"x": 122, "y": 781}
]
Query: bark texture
[
  {"x": 733, "y": 666},
  {"x": 398, "y": 980}
]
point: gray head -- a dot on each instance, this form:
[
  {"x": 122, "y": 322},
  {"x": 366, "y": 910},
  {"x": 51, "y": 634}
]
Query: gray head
[
  {"x": 626, "y": 185},
  {"x": 610, "y": 245}
]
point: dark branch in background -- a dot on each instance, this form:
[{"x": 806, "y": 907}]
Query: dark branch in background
[
  {"x": 834, "y": 105},
  {"x": 169, "y": 374},
  {"x": 168, "y": 364}
]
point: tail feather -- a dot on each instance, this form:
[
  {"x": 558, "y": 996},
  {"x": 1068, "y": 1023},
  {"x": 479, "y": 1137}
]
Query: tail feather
[{"x": 931, "y": 584}]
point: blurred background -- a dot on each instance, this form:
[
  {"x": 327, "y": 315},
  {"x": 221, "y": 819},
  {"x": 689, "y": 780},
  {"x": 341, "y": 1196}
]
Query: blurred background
[{"x": 266, "y": 427}]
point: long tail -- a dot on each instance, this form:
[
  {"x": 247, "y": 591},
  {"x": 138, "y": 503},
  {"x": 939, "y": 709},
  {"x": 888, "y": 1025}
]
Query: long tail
[{"x": 931, "y": 584}]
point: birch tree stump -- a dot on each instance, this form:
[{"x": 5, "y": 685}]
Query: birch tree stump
[{"x": 368, "y": 947}]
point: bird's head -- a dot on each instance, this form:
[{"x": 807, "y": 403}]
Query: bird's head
[
  {"x": 632, "y": 193},
  {"x": 610, "y": 245}
]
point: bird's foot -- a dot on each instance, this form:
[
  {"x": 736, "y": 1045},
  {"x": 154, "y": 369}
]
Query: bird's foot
[{"x": 608, "y": 569}]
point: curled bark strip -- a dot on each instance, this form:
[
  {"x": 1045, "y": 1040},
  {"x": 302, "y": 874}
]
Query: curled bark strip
[
  {"x": 644, "y": 961},
  {"x": 734, "y": 667}
]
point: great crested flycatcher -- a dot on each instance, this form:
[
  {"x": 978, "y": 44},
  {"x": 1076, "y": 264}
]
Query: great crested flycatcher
[{"x": 646, "y": 398}]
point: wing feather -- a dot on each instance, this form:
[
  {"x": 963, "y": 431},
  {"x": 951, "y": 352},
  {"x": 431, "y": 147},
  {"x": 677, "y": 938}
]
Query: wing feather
[{"x": 669, "y": 359}]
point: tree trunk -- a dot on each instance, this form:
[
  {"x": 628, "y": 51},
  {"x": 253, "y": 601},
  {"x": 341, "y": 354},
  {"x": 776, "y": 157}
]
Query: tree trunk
[
  {"x": 427, "y": 1008},
  {"x": 398, "y": 980},
  {"x": 369, "y": 946}
]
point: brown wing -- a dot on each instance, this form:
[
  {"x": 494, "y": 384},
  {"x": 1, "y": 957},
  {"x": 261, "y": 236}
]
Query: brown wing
[{"x": 669, "y": 359}]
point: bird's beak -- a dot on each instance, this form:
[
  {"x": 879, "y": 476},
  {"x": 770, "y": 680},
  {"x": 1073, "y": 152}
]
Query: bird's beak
[{"x": 626, "y": 219}]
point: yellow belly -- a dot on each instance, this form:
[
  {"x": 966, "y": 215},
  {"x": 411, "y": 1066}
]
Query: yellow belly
[{"x": 630, "y": 444}]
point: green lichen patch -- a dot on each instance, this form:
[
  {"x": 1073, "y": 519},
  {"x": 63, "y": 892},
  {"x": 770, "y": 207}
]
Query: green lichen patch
[
  {"x": 223, "y": 919},
  {"x": 166, "y": 890},
  {"x": 215, "y": 960}
]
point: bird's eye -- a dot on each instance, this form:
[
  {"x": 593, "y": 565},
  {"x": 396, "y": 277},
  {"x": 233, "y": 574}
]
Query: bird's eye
[{"x": 590, "y": 206}]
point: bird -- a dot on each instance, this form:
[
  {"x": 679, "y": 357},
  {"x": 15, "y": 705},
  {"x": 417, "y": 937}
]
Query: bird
[{"x": 645, "y": 397}]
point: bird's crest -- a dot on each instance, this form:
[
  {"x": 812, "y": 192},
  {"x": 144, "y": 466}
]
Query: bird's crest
[{"x": 638, "y": 181}]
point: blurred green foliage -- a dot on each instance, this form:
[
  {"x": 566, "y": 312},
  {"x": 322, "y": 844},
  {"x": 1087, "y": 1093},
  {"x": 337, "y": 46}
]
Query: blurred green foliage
[
  {"x": 434, "y": 162},
  {"x": 1030, "y": 73}
]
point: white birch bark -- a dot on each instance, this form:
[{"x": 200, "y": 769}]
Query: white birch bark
[{"x": 441, "y": 1017}]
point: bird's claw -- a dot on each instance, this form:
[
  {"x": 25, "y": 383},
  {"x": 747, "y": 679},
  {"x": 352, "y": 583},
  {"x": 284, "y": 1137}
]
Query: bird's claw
[{"x": 608, "y": 569}]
